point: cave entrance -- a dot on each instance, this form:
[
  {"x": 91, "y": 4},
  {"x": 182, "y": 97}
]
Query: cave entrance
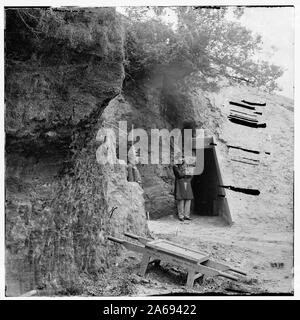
[{"x": 209, "y": 198}]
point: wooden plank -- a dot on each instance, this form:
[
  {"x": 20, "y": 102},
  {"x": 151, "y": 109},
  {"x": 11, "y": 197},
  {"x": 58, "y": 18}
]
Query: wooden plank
[
  {"x": 254, "y": 103},
  {"x": 238, "y": 271},
  {"x": 183, "y": 261},
  {"x": 192, "y": 250},
  {"x": 243, "y": 149},
  {"x": 255, "y": 160},
  {"x": 128, "y": 245},
  {"x": 181, "y": 255},
  {"x": 216, "y": 265},
  {"x": 226, "y": 215},
  {"x": 222, "y": 267},
  {"x": 250, "y": 115},
  {"x": 241, "y": 161},
  {"x": 215, "y": 153},
  {"x": 214, "y": 272},
  {"x": 178, "y": 251},
  {"x": 139, "y": 238},
  {"x": 232, "y": 115},
  {"x": 241, "y": 105}
]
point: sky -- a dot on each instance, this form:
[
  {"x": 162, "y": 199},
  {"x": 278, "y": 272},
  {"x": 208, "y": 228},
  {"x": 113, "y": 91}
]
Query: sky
[{"x": 276, "y": 26}]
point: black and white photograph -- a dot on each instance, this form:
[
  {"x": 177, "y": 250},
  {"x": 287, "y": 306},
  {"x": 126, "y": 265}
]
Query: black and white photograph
[{"x": 148, "y": 151}]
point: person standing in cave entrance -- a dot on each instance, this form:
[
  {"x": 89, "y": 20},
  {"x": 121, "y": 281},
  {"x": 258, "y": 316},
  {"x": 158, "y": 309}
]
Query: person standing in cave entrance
[{"x": 183, "y": 190}]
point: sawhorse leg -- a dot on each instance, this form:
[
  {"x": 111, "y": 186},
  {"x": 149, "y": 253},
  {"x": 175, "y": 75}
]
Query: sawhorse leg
[
  {"x": 144, "y": 264},
  {"x": 190, "y": 278}
]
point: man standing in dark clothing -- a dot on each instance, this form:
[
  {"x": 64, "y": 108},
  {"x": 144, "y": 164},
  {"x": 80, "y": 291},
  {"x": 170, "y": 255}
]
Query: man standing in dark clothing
[{"x": 183, "y": 191}]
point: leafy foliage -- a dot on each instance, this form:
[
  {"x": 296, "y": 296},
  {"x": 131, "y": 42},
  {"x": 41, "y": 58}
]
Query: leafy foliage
[
  {"x": 212, "y": 47},
  {"x": 61, "y": 33},
  {"x": 204, "y": 40}
]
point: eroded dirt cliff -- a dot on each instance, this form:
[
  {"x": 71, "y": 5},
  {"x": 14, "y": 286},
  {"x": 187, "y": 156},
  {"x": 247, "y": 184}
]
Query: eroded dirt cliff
[{"x": 58, "y": 199}]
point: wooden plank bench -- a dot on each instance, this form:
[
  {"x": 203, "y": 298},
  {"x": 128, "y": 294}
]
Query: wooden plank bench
[{"x": 196, "y": 263}]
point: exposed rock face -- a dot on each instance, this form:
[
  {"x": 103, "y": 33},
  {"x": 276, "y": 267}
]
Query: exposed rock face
[
  {"x": 58, "y": 198},
  {"x": 68, "y": 78},
  {"x": 128, "y": 198}
]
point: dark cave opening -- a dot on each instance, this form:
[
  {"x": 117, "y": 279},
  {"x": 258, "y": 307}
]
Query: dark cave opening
[{"x": 206, "y": 187}]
